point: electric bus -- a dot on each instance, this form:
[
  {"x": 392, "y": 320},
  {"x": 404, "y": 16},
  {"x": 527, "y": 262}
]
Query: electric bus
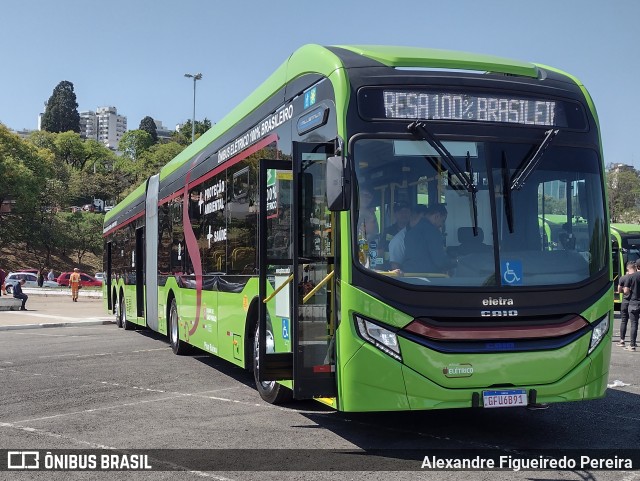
[{"x": 266, "y": 241}]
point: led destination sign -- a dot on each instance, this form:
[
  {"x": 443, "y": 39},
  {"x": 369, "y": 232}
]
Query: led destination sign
[
  {"x": 414, "y": 104},
  {"x": 439, "y": 105}
]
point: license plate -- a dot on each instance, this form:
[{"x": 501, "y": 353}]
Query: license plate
[{"x": 504, "y": 399}]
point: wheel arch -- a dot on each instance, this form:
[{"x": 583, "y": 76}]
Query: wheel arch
[{"x": 249, "y": 333}]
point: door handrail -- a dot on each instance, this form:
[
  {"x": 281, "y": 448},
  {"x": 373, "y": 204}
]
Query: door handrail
[
  {"x": 315, "y": 289},
  {"x": 272, "y": 295}
]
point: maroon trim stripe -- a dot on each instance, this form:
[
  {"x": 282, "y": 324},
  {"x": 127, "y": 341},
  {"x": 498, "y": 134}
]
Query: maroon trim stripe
[
  {"x": 127, "y": 222},
  {"x": 452, "y": 333}
]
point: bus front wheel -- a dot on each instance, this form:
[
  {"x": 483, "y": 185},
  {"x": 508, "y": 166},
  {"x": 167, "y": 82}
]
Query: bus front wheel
[{"x": 270, "y": 391}]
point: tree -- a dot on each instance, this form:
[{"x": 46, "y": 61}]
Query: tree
[
  {"x": 159, "y": 155},
  {"x": 84, "y": 233},
  {"x": 134, "y": 142},
  {"x": 61, "y": 113},
  {"x": 624, "y": 189},
  {"x": 148, "y": 125},
  {"x": 24, "y": 170},
  {"x": 70, "y": 148},
  {"x": 183, "y": 135}
]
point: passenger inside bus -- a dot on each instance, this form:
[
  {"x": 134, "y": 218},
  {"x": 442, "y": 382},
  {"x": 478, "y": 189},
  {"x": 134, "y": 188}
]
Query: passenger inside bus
[
  {"x": 424, "y": 244},
  {"x": 367, "y": 221},
  {"x": 396, "y": 245}
]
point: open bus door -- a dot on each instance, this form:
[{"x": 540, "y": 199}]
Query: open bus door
[{"x": 297, "y": 274}]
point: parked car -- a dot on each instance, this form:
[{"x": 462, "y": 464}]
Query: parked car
[
  {"x": 85, "y": 280},
  {"x": 31, "y": 280},
  {"x": 31, "y": 271},
  {"x": 99, "y": 276}
]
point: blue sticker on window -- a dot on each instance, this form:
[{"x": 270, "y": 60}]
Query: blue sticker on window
[
  {"x": 285, "y": 328},
  {"x": 310, "y": 98},
  {"x": 511, "y": 272}
]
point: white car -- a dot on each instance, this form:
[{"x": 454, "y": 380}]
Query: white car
[
  {"x": 99, "y": 276},
  {"x": 31, "y": 281}
]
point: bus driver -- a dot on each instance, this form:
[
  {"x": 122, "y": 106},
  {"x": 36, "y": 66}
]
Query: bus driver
[{"x": 424, "y": 246}]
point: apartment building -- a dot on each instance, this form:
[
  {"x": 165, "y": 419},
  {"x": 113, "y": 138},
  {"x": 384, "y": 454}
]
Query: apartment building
[{"x": 103, "y": 125}]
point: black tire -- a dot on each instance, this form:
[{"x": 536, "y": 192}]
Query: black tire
[
  {"x": 178, "y": 346},
  {"x": 116, "y": 311},
  {"x": 270, "y": 391},
  {"x": 128, "y": 326},
  {"x": 9, "y": 289}
]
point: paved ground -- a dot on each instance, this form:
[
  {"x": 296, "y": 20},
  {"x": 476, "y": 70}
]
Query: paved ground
[
  {"x": 46, "y": 308},
  {"x": 98, "y": 387}
]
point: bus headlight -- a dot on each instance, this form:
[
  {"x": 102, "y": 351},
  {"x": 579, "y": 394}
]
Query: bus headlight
[
  {"x": 378, "y": 336},
  {"x": 599, "y": 331}
]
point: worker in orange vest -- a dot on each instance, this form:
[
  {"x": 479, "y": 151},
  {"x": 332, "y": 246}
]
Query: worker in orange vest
[{"x": 74, "y": 283}]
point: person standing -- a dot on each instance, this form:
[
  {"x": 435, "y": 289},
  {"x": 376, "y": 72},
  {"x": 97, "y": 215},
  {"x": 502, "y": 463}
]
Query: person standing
[
  {"x": 51, "y": 276},
  {"x": 18, "y": 294},
  {"x": 74, "y": 283},
  {"x": 41, "y": 277},
  {"x": 633, "y": 291},
  {"x": 3, "y": 276},
  {"x": 625, "y": 281}
]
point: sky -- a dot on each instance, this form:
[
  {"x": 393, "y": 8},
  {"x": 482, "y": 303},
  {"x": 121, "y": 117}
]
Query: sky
[{"x": 133, "y": 54}]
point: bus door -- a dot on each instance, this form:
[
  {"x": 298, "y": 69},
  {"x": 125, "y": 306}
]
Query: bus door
[
  {"x": 619, "y": 267},
  {"x": 314, "y": 330},
  {"x": 296, "y": 327},
  {"x": 138, "y": 265},
  {"x": 276, "y": 316},
  {"x": 107, "y": 281}
]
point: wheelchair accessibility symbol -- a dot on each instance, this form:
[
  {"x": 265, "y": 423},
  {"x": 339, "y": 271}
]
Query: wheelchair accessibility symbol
[
  {"x": 285, "y": 328},
  {"x": 511, "y": 273}
]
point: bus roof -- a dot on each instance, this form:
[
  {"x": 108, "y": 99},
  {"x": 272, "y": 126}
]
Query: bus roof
[
  {"x": 321, "y": 60},
  {"x": 443, "y": 59}
]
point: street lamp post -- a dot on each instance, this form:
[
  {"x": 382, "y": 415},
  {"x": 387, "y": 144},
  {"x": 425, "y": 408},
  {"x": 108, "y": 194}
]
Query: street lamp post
[{"x": 195, "y": 77}]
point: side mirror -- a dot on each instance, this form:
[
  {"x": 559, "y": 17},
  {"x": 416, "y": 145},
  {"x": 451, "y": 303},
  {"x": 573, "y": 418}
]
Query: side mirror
[{"x": 338, "y": 184}]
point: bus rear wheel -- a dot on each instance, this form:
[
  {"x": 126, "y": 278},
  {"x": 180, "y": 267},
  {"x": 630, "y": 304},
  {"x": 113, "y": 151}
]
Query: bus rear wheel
[
  {"x": 117, "y": 312},
  {"x": 270, "y": 391},
  {"x": 128, "y": 326},
  {"x": 179, "y": 347}
]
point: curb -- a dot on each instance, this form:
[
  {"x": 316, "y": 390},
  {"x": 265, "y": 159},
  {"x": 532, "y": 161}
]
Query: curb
[
  {"x": 59, "y": 293},
  {"x": 16, "y": 327}
]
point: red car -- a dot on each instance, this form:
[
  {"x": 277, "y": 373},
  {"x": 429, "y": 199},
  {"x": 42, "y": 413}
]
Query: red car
[{"x": 85, "y": 280}]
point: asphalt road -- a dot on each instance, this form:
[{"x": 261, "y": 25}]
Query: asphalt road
[{"x": 99, "y": 387}]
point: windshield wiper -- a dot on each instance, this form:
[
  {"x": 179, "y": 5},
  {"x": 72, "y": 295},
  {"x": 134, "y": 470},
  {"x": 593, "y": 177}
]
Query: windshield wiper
[
  {"x": 419, "y": 128},
  {"x": 526, "y": 168},
  {"x": 466, "y": 181},
  {"x": 473, "y": 196},
  {"x": 506, "y": 192}
]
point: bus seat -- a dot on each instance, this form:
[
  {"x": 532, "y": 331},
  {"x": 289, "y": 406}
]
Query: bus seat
[
  {"x": 243, "y": 258},
  {"x": 469, "y": 243}
]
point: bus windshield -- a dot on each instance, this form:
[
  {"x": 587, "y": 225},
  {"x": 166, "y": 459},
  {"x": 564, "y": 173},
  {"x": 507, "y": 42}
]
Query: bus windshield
[{"x": 422, "y": 220}]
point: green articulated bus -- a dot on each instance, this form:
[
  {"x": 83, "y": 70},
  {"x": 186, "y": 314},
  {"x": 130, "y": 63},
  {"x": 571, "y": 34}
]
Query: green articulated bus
[
  {"x": 303, "y": 237},
  {"x": 625, "y": 247}
]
